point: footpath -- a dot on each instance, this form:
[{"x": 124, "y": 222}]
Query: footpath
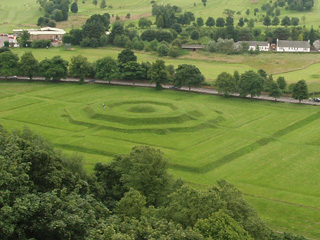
[{"x": 201, "y": 90}]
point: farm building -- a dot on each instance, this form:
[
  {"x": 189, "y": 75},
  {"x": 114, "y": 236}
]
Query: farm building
[
  {"x": 263, "y": 46},
  {"x": 316, "y": 45},
  {"x": 192, "y": 47},
  {"x": 46, "y": 33},
  {"x": 293, "y": 46}
]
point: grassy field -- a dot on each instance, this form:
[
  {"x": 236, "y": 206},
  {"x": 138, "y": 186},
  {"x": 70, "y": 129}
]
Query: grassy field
[
  {"x": 25, "y": 14},
  {"x": 293, "y": 66},
  {"x": 268, "y": 150}
]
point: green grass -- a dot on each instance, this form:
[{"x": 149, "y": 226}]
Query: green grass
[
  {"x": 268, "y": 150},
  {"x": 293, "y": 66},
  {"x": 25, "y": 14}
]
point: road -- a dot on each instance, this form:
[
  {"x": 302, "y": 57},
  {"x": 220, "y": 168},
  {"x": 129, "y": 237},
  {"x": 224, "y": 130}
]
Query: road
[{"x": 203, "y": 90}]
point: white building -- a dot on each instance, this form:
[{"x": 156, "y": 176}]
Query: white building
[
  {"x": 293, "y": 46},
  {"x": 46, "y": 33},
  {"x": 263, "y": 46}
]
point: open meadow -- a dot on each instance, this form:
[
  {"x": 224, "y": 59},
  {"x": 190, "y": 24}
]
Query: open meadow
[
  {"x": 24, "y": 14},
  {"x": 293, "y": 66},
  {"x": 270, "y": 151}
]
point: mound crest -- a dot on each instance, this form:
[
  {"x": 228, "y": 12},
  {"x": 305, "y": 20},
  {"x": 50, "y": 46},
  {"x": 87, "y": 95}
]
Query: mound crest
[{"x": 143, "y": 116}]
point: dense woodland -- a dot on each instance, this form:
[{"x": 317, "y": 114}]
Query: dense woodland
[{"x": 46, "y": 195}]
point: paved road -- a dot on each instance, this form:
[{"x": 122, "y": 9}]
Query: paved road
[{"x": 185, "y": 89}]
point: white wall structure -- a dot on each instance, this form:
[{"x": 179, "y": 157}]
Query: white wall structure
[
  {"x": 263, "y": 46},
  {"x": 293, "y": 46}
]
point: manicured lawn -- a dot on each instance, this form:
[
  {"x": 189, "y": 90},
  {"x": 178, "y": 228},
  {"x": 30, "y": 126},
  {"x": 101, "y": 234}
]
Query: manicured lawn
[{"x": 268, "y": 150}]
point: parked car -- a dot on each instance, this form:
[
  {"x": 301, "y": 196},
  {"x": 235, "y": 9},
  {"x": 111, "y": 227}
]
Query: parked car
[
  {"x": 12, "y": 77},
  {"x": 316, "y": 99}
]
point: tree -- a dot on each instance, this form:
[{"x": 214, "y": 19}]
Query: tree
[
  {"x": 55, "y": 68},
  {"x": 312, "y": 35},
  {"x": 128, "y": 16},
  {"x": 262, "y": 73},
  {"x": 248, "y": 12},
  {"x": 282, "y": 83},
  {"x": 158, "y": 73},
  {"x": 107, "y": 69},
  {"x": 295, "y": 21},
  {"x": 193, "y": 204},
  {"x": 204, "y": 2},
  {"x": 241, "y": 22},
  {"x": 95, "y": 27},
  {"x": 195, "y": 35},
  {"x": 229, "y": 21},
  {"x": 25, "y": 36},
  {"x": 28, "y": 65},
  {"x": 103, "y": 4},
  {"x": 267, "y": 21},
  {"x": 286, "y": 21},
  {"x": 210, "y": 22},
  {"x": 200, "y": 22},
  {"x": 220, "y": 22},
  {"x": 275, "y": 21},
  {"x": 177, "y": 27},
  {"x": 95, "y": 2},
  {"x": 237, "y": 208},
  {"x": 131, "y": 204},
  {"x": 132, "y": 71},
  {"x": 225, "y": 83},
  {"x": 126, "y": 55},
  {"x": 144, "y": 23},
  {"x": 188, "y": 75},
  {"x": 274, "y": 90},
  {"x": 163, "y": 50},
  {"x": 159, "y": 21},
  {"x": 250, "y": 83},
  {"x": 250, "y": 23},
  {"x": 8, "y": 64},
  {"x": 74, "y": 7},
  {"x": 79, "y": 67},
  {"x": 300, "y": 91},
  {"x": 221, "y": 226},
  {"x": 145, "y": 169}
]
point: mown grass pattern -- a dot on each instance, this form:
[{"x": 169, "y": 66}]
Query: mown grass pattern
[{"x": 204, "y": 137}]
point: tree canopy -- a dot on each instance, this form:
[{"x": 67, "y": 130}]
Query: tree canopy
[
  {"x": 188, "y": 75},
  {"x": 250, "y": 83},
  {"x": 300, "y": 91},
  {"x": 226, "y": 83},
  {"x": 158, "y": 73}
]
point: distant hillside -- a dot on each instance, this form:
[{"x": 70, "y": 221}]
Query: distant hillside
[{"x": 25, "y": 14}]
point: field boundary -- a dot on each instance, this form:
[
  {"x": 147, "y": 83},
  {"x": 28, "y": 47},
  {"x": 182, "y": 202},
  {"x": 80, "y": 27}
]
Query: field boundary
[{"x": 199, "y": 90}]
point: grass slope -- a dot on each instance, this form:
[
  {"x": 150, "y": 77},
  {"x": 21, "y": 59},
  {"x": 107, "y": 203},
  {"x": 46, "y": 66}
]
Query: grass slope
[
  {"x": 26, "y": 13},
  {"x": 268, "y": 150}
]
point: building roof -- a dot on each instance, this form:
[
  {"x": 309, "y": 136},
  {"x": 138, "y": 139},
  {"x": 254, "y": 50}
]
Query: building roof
[
  {"x": 42, "y": 31},
  {"x": 293, "y": 44},
  {"x": 192, "y": 46},
  {"x": 255, "y": 43}
]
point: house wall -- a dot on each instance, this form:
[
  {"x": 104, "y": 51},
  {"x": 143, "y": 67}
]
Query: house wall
[
  {"x": 45, "y": 37},
  {"x": 261, "y": 48},
  {"x": 291, "y": 49}
]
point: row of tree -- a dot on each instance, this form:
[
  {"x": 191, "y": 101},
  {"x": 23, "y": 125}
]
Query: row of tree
[
  {"x": 253, "y": 83},
  {"x": 125, "y": 67},
  {"x": 45, "y": 195},
  {"x": 55, "y": 11}
]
